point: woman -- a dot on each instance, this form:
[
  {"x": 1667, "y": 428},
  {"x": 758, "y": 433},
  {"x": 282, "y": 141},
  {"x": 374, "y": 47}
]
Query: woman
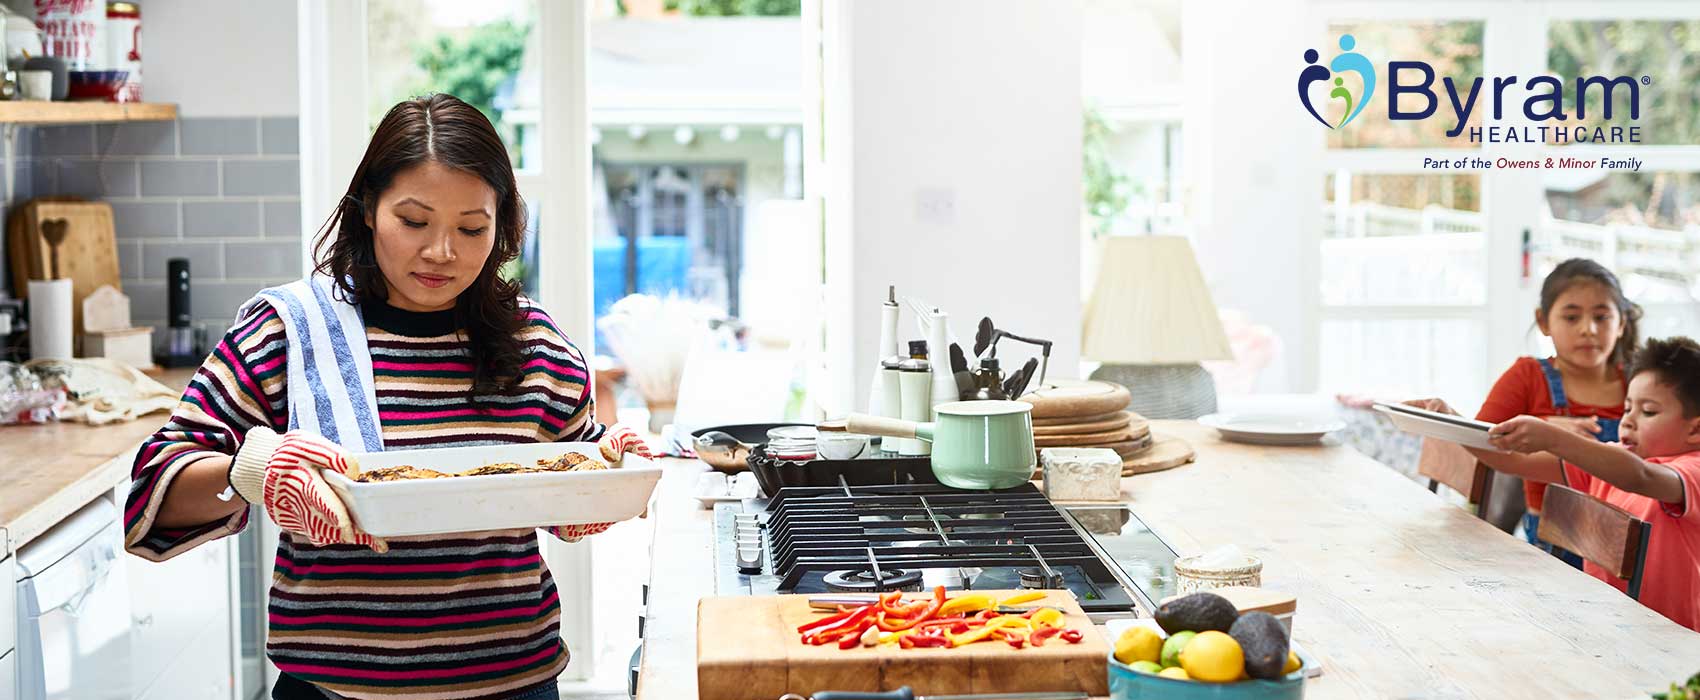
[{"x": 406, "y": 338}]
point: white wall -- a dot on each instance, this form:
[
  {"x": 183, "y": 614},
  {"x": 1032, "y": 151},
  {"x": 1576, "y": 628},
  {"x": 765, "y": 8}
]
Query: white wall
[
  {"x": 1254, "y": 189},
  {"x": 978, "y": 100},
  {"x": 216, "y": 58}
]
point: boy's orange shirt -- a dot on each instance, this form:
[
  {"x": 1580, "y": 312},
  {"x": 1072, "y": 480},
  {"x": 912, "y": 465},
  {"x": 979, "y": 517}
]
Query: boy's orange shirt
[
  {"x": 1670, "y": 583},
  {"x": 1522, "y": 391}
]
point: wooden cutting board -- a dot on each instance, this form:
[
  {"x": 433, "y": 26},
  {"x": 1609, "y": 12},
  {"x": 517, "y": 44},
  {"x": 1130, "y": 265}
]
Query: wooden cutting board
[
  {"x": 1117, "y": 421},
  {"x": 748, "y": 648},
  {"x": 1073, "y": 397},
  {"x": 1167, "y": 452},
  {"x": 88, "y": 256}
]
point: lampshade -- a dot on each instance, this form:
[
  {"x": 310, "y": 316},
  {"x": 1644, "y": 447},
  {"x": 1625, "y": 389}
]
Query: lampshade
[{"x": 1150, "y": 305}]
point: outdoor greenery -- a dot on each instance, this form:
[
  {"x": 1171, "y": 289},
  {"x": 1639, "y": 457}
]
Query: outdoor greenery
[
  {"x": 737, "y": 8},
  {"x": 1108, "y": 189},
  {"x": 473, "y": 65}
]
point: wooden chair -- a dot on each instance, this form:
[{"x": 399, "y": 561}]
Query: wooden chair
[
  {"x": 1598, "y": 532},
  {"x": 1450, "y": 464}
]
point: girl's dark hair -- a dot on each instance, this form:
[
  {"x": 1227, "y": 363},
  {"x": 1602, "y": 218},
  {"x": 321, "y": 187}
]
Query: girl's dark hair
[
  {"x": 1676, "y": 362},
  {"x": 1584, "y": 271},
  {"x": 441, "y": 129}
]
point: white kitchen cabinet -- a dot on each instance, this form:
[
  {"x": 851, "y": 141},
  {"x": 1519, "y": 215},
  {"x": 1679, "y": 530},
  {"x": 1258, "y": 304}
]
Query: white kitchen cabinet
[
  {"x": 172, "y": 603},
  {"x": 8, "y": 605},
  {"x": 201, "y": 669},
  {"x": 9, "y": 676}
]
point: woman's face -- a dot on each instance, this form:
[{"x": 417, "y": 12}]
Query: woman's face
[{"x": 432, "y": 231}]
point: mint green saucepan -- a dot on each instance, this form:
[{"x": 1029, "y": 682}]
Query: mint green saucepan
[{"x": 976, "y": 444}]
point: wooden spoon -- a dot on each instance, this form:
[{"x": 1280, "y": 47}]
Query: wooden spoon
[{"x": 53, "y": 231}]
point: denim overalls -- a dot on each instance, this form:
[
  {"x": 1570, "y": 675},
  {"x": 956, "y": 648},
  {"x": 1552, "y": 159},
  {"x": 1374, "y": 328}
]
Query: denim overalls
[{"x": 1608, "y": 433}]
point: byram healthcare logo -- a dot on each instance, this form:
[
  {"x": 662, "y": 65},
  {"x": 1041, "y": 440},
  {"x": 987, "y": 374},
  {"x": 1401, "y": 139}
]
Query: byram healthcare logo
[
  {"x": 1555, "y": 114},
  {"x": 1348, "y": 61}
]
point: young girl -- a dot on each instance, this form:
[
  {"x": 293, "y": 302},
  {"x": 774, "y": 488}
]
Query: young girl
[
  {"x": 1593, "y": 331},
  {"x": 1654, "y": 474}
]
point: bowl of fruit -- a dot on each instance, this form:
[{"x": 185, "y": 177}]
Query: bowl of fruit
[{"x": 1202, "y": 647}]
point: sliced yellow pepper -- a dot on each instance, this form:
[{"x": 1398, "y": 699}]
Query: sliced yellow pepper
[
  {"x": 1047, "y": 617},
  {"x": 983, "y": 632},
  {"x": 967, "y": 603},
  {"x": 1020, "y": 598}
]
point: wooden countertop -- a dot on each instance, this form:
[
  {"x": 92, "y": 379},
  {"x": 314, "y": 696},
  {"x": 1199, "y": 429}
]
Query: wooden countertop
[
  {"x": 48, "y": 471},
  {"x": 1400, "y": 594}
]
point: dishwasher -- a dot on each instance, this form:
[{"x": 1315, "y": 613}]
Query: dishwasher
[{"x": 73, "y": 606}]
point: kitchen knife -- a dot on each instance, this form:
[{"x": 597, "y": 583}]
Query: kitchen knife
[
  {"x": 904, "y": 693},
  {"x": 851, "y": 600}
]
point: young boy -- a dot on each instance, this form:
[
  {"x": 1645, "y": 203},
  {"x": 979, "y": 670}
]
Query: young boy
[{"x": 1654, "y": 473}]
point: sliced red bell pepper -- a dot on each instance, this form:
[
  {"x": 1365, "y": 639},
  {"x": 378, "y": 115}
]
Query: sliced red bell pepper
[
  {"x": 851, "y": 641},
  {"x": 1072, "y": 636},
  {"x": 838, "y": 629},
  {"x": 1043, "y": 633},
  {"x": 825, "y": 621},
  {"x": 890, "y": 625},
  {"x": 929, "y": 640}
]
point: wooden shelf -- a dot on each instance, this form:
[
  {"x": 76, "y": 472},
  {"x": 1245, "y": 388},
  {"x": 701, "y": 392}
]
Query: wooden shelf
[{"x": 30, "y": 112}]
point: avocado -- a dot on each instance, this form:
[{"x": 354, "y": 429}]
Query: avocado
[
  {"x": 1199, "y": 612},
  {"x": 1264, "y": 642}
]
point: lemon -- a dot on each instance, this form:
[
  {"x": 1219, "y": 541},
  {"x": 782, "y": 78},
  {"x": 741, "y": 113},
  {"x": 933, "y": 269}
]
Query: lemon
[
  {"x": 1138, "y": 644},
  {"x": 1213, "y": 657},
  {"x": 1172, "y": 648},
  {"x": 1293, "y": 663},
  {"x": 1149, "y": 667},
  {"x": 1176, "y": 673}
]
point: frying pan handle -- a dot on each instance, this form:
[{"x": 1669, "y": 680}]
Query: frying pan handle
[
  {"x": 903, "y": 693},
  {"x": 879, "y": 425}
]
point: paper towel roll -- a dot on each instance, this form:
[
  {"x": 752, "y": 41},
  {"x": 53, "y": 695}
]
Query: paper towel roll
[{"x": 50, "y": 319}]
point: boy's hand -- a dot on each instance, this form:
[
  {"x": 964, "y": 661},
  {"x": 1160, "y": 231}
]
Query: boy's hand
[{"x": 1527, "y": 434}]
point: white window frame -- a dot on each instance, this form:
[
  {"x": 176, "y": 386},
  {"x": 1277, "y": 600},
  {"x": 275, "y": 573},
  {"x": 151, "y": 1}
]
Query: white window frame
[
  {"x": 334, "y": 134},
  {"x": 1514, "y": 41}
]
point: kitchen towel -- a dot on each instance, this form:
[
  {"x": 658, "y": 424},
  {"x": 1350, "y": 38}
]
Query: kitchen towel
[
  {"x": 50, "y": 319},
  {"x": 329, "y": 368}
]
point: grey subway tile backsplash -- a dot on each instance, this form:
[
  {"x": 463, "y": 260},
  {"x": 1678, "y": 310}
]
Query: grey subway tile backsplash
[
  {"x": 222, "y": 192},
  {"x": 283, "y": 218},
  {"x": 271, "y": 259},
  {"x": 136, "y": 139},
  {"x": 218, "y": 137},
  {"x": 180, "y": 178},
  {"x": 146, "y": 219},
  {"x": 206, "y": 260},
  {"x": 97, "y": 178},
  {"x": 262, "y": 178},
  {"x": 280, "y": 136},
  {"x": 221, "y": 219}
]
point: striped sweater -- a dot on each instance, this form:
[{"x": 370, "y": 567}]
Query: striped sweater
[{"x": 468, "y": 616}]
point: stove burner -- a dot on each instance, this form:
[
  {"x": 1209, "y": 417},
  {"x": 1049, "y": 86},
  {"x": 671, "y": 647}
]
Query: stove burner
[
  {"x": 1034, "y": 578},
  {"x": 862, "y": 581}
]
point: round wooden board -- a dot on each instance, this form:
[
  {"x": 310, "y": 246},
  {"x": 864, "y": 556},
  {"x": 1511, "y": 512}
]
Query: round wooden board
[
  {"x": 1117, "y": 421},
  {"x": 1167, "y": 452},
  {"x": 1074, "y": 420},
  {"x": 1089, "y": 439},
  {"x": 1072, "y": 397}
]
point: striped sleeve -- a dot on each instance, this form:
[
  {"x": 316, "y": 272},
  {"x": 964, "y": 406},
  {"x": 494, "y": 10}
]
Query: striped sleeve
[
  {"x": 556, "y": 360},
  {"x": 239, "y": 386}
]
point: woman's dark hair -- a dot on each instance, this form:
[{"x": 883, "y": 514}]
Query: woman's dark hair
[
  {"x": 1676, "y": 363},
  {"x": 1584, "y": 271},
  {"x": 444, "y": 130}
]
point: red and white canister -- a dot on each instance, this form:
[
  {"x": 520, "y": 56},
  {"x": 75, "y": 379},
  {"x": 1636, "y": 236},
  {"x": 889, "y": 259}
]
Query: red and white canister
[
  {"x": 124, "y": 47},
  {"x": 74, "y": 30}
]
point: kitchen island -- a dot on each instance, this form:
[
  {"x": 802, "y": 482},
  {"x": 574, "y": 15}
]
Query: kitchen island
[{"x": 1400, "y": 594}]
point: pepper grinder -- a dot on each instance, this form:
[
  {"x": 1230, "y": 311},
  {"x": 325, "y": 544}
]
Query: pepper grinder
[
  {"x": 891, "y": 398},
  {"x": 887, "y": 349},
  {"x": 916, "y": 376}
]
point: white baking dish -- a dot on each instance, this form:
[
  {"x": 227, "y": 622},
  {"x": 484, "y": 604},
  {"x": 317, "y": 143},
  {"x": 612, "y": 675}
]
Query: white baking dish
[{"x": 496, "y": 501}]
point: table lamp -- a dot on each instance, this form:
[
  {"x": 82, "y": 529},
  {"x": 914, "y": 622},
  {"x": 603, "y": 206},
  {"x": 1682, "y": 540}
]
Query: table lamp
[{"x": 1150, "y": 321}]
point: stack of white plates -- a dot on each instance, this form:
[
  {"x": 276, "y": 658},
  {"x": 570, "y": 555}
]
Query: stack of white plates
[{"x": 1271, "y": 428}]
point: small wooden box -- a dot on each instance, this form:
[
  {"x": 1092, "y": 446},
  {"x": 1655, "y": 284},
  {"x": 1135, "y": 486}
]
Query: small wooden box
[{"x": 131, "y": 346}]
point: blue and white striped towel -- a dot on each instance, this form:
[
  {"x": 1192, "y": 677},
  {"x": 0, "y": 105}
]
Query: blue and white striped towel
[{"x": 329, "y": 367}]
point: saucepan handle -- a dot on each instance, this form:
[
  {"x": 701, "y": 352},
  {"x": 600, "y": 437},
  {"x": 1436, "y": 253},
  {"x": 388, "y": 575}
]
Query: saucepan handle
[
  {"x": 879, "y": 425},
  {"x": 903, "y": 693}
]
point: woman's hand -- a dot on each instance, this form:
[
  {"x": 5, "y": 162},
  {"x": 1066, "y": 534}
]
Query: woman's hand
[
  {"x": 618, "y": 441},
  {"x": 1586, "y": 427},
  {"x": 285, "y": 474},
  {"x": 1436, "y": 405},
  {"x": 1527, "y": 434}
]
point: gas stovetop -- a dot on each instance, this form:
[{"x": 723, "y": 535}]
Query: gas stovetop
[{"x": 863, "y": 539}]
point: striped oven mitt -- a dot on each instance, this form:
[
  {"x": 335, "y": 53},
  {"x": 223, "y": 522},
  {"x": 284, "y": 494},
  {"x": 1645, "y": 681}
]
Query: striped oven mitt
[
  {"x": 283, "y": 472},
  {"x": 614, "y": 445}
]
